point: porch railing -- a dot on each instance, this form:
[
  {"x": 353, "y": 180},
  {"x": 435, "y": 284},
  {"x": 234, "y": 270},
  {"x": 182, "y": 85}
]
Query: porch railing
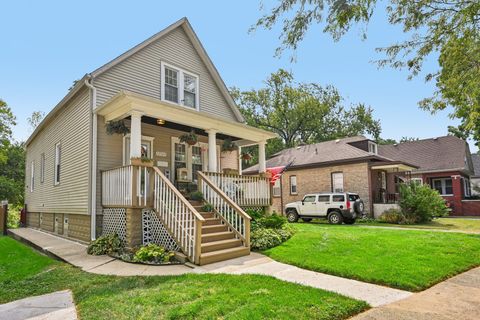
[
  {"x": 225, "y": 208},
  {"x": 180, "y": 218},
  {"x": 127, "y": 186},
  {"x": 385, "y": 197},
  {"x": 243, "y": 190}
]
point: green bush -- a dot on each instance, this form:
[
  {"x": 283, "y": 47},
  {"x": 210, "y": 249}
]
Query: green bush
[
  {"x": 152, "y": 253},
  {"x": 207, "y": 208},
  {"x": 255, "y": 214},
  {"x": 273, "y": 221},
  {"x": 420, "y": 203},
  {"x": 196, "y": 195},
  {"x": 13, "y": 218},
  {"x": 105, "y": 245},
  {"x": 392, "y": 216},
  {"x": 264, "y": 238}
]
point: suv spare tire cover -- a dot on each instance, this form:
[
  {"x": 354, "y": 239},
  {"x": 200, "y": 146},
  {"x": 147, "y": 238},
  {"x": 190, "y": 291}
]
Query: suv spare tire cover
[{"x": 359, "y": 206}]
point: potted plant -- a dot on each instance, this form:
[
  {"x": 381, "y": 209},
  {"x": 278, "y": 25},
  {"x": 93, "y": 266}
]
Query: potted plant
[
  {"x": 228, "y": 145},
  {"x": 246, "y": 156},
  {"x": 189, "y": 138},
  {"x": 117, "y": 127},
  {"x": 141, "y": 162}
]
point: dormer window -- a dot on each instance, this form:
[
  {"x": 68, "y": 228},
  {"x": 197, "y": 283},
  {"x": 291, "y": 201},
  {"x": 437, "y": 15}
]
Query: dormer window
[
  {"x": 372, "y": 147},
  {"x": 179, "y": 86}
]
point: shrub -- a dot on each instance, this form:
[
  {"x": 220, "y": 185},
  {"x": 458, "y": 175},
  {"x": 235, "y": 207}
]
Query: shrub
[
  {"x": 255, "y": 214},
  {"x": 264, "y": 238},
  {"x": 13, "y": 218},
  {"x": 420, "y": 203},
  {"x": 108, "y": 244},
  {"x": 196, "y": 195},
  {"x": 273, "y": 221},
  {"x": 152, "y": 253},
  {"x": 392, "y": 216},
  {"x": 207, "y": 207}
]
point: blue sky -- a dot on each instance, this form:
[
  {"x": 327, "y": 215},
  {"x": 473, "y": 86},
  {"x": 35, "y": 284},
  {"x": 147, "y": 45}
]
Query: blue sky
[{"x": 48, "y": 44}]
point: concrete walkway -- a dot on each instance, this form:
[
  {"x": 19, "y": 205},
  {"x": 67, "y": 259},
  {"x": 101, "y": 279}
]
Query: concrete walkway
[
  {"x": 53, "y": 306},
  {"x": 457, "y": 298},
  {"x": 75, "y": 254}
]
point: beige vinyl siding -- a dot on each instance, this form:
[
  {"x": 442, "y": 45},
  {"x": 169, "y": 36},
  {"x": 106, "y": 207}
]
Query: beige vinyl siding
[
  {"x": 140, "y": 73},
  {"x": 71, "y": 128}
]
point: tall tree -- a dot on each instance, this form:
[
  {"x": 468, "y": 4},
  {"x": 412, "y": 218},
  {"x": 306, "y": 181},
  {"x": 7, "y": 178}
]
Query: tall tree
[
  {"x": 302, "y": 112},
  {"x": 7, "y": 121},
  {"x": 447, "y": 28},
  {"x": 35, "y": 119}
]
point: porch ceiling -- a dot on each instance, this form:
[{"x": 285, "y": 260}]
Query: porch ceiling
[{"x": 125, "y": 102}]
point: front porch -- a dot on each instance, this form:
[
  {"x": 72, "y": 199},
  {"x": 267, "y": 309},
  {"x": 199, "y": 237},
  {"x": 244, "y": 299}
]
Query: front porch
[{"x": 148, "y": 195}]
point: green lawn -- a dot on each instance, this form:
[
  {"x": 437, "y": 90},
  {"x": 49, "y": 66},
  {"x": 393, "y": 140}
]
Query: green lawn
[
  {"x": 405, "y": 259},
  {"x": 24, "y": 272},
  {"x": 453, "y": 224}
]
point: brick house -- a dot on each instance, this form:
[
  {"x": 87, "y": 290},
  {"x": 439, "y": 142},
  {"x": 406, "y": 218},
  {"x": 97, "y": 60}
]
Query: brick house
[
  {"x": 357, "y": 164},
  {"x": 475, "y": 179},
  {"x": 349, "y": 164}
]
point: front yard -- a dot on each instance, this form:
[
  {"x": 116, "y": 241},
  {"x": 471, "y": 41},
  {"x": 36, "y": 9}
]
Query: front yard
[
  {"x": 24, "y": 272},
  {"x": 404, "y": 259},
  {"x": 452, "y": 224}
]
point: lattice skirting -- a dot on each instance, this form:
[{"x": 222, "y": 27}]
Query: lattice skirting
[
  {"x": 115, "y": 221},
  {"x": 155, "y": 232}
]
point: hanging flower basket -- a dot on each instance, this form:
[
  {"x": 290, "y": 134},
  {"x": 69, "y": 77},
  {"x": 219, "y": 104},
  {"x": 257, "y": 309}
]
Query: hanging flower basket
[
  {"x": 117, "y": 127},
  {"x": 246, "y": 156},
  {"x": 228, "y": 145},
  {"x": 189, "y": 138}
]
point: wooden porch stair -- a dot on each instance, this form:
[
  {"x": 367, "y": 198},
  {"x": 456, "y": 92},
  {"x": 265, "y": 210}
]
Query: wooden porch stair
[{"x": 218, "y": 242}]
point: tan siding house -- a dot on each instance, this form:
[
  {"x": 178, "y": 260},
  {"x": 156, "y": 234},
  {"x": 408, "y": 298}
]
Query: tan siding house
[{"x": 82, "y": 182}]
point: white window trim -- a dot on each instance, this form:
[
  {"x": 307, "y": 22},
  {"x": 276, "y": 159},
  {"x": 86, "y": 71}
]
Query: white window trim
[
  {"x": 333, "y": 182},
  {"x": 444, "y": 187},
  {"x": 291, "y": 184},
  {"x": 374, "y": 147},
  {"x": 57, "y": 161},
  {"x": 124, "y": 147},
  {"x": 276, "y": 189},
  {"x": 417, "y": 180},
  {"x": 181, "y": 93},
  {"x": 466, "y": 187},
  {"x": 32, "y": 176},
  {"x": 42, "y": 168}
]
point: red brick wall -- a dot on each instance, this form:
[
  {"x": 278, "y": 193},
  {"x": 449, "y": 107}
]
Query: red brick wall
[
  {"x": 457, "y": 184},
  {"x": 471, "y": 207}
]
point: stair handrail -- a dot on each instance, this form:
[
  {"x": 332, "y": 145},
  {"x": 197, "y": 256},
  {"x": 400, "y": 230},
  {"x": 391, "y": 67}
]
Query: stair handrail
[
  {"x": 240, "y": 224},
  {"x": 174, "y": 211}
]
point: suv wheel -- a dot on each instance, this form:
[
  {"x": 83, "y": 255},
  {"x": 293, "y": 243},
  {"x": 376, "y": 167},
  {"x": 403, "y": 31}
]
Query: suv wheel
[
  {"x": 335, "y": 218},
  {"x": 292, "y": 215}
]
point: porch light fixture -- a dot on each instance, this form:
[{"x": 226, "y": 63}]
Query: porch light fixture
[{"x": 160, "y": 121}]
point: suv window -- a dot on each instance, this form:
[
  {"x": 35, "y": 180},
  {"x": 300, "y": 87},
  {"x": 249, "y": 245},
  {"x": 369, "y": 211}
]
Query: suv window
[
  {"x": 353, "y": 197},
  {"x": 338, "y": 198},
  {"x": 309, "y": 199},
  {"x": 323, "y": 198}
]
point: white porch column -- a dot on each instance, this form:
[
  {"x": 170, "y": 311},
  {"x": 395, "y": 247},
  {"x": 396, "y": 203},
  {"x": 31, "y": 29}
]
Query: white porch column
[
  {"x": 240, "y": 160},
  {"x": 212, "y": 150},
  {"x": 136, "y": 134},
  {"x": 262, "y": 166}
]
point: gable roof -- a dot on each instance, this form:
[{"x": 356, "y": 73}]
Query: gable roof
[
  {"x": 447, "y": 153},
  {"x": 185, "y": 24},
  {"x": 476, "y": 165},
  {"x": 187, "y": 27},
  {"x": 322, "y": 153}
]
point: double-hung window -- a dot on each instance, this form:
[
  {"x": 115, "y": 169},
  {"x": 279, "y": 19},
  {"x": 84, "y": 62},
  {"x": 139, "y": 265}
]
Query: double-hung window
[
  {"x": 372, "y": 147},
  {"x": 179, "y": 86},
  {"x": 293, "y": 185},
  {"x": 467, "y": 187},
  {"x": 58, "y": 155},
  {"x": 32, "y": 176},
  {"x": 337, "y": 182},
  {"x": 443, "y": 186},
  {"x": 276, "y": 190}
]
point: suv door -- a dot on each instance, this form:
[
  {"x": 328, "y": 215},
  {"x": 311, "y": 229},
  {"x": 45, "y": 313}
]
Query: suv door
[
  {"x": 323, "y": 204},
  {"x": 309, "y": 205}
]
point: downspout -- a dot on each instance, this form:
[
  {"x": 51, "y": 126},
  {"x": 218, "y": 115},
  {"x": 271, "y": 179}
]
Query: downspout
[{"x": 93, "y": 179}]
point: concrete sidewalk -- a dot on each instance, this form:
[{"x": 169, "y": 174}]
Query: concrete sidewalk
[
  {"x": 75, "y": 254},
  {"x": 457, "y": 298},
  {"x": 53, "y": 306}
]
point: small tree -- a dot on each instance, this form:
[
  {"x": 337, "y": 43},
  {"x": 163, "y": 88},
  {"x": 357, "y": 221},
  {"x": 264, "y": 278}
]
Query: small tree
[{"x": 420, "y": 203}]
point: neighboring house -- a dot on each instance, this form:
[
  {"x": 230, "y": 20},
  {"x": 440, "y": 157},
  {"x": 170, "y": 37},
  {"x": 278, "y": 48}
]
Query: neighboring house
[
  {"x": 81, "y": 182},
  {"x": 359, "y": 165},
  {"x": 475, "y": 179},
  {"x": 444, "y": 163},
  {"x": 350, "y": 164}
]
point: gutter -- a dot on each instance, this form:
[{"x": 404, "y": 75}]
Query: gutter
[{"x": 93, "y": 178}]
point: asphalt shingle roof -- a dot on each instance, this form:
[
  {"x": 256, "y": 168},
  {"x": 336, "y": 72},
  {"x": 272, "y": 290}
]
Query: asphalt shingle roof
[
  {"x": 476, "y": 164},
  {"x": 442, "y": 153}
]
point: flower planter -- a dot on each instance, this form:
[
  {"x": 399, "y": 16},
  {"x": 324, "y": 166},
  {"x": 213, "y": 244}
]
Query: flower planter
[{"x": 141, "y": 163}]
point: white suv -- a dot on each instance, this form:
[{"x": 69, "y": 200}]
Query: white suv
[{"x": 336, "y": 207}]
